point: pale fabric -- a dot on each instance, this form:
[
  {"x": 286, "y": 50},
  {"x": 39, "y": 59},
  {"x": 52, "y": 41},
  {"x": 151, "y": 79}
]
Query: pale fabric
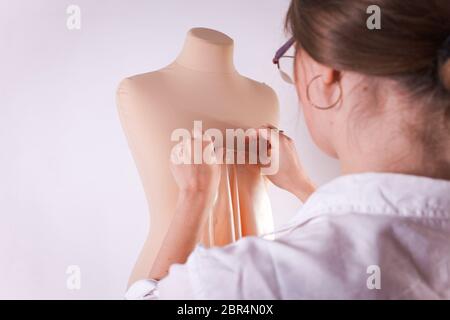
[{"x": 329, "y": 249}]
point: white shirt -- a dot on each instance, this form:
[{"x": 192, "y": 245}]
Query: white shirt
[{"x": 362, "y": 236}]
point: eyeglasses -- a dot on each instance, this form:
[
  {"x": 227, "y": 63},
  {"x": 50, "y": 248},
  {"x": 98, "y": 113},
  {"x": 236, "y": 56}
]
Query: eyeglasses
[{"x": 285, "y": 63}]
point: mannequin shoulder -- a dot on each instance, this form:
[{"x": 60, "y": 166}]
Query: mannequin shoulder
[
  {"x": 265, "y": 100},
  {"x": 264, "y": 92},
  {"x": 134, "y": 89},
  {"x": 135, "y": 84}
]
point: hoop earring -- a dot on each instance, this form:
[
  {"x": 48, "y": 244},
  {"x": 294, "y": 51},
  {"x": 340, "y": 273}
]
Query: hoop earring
[{"x": 317, "y": 106}]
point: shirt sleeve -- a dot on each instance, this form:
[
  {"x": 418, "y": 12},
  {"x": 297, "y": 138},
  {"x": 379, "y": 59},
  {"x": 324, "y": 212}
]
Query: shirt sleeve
[
  {"x": 177, "y": 285},
  {"x": 146, "y": 289},
  {"x": 236, "y": 271}
]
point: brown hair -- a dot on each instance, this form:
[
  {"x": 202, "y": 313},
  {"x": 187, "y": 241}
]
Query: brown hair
[{"x": 412, "y": 47}]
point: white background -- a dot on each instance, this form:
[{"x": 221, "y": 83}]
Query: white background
[{"x": 69, "y": 190}]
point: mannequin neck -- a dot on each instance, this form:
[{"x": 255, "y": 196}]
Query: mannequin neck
[{"x": 207, "y": 50}]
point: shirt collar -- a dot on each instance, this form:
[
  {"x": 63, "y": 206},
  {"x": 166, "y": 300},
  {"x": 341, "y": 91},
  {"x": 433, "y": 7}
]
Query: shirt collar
[{"x": 380, "y": 193}]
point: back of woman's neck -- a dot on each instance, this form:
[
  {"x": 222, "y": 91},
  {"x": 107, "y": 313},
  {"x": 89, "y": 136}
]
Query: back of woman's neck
[{"x": 407, "y": 164}]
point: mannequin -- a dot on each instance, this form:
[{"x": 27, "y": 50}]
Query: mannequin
[{"x": 201, "y": 84}]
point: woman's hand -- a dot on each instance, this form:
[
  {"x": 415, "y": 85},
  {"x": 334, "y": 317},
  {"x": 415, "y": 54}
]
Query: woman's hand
[
  {"x": 202, "y": 179},
  {"x": 290, "y": 174},
  {"x": 198, "y": 184}
]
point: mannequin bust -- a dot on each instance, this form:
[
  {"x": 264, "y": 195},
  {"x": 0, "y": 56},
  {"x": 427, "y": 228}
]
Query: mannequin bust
[{"x": 200, "y": 85}]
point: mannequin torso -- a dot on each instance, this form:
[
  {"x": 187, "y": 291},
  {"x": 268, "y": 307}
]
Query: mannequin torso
[{"x": 201, "y": 84}]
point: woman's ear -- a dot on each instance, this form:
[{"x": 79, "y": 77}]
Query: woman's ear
[{"x": 329, "y": 76}]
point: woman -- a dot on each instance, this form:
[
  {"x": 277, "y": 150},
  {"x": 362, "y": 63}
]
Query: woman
[{"x": 377, "y": 100}]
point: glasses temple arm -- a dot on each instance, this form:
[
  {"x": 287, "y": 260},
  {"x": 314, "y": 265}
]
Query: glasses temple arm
[{"x": 280, "y": 52}]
